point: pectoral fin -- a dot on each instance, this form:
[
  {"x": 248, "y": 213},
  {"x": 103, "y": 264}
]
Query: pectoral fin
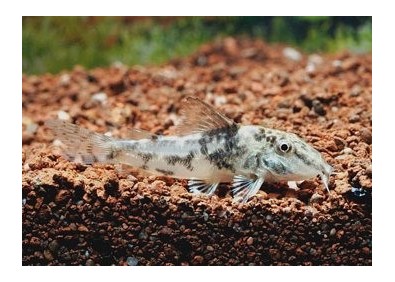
[
  {"x": 244, "y": 188},
  {"x": 200, "y": 187}
]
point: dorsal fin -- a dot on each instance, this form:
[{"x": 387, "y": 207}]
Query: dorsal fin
[
  {"x": 200, "y": 117},
  {"x": 137, "y": 134}
]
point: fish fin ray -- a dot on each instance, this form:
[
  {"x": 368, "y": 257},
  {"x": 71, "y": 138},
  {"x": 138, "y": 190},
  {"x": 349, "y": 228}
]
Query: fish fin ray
[
  {"x": 197, "y": 186},
  {"x": 200, "y": 117},
  {"x": 137, "y": 134},
  {"x": 80, "y": 144},
  {"x": 244, "y": 188}
]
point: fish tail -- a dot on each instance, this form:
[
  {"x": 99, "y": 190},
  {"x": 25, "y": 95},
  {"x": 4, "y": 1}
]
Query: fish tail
[{"x": 82, "y": 145}]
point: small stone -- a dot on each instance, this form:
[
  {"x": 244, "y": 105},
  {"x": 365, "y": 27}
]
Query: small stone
[
  {"x": 90, "y": 262},
  {"x": 366, "y": 135},
  {"x": 210, "y": 248},
  {"x": 23, "y": 201},
  {"x": 198, "y": 259},
  {"x": 31, "y": 128},
  {"x": 62, "y": 115},
  {"x": 315, "y": 59},
  {"x": 292, "y": 54},
  {"x": 318, "y": 108},
  {"x": 83, "y": 228},
  {"x": 337, "y": 64},
  {"x": 250, "y": 240},
  {"x": 53, "y": 246},
  {"x": 332, "y": 232},
  {"x": 205, "y": 216},
  {"x": 48, "y": 255},
  {"x": 354, "y": 118},
  {"x": 64, "y": 79},
  {"x": 315, "y": 198},
  {"x": 369, "y": 171},
  {"x": 340, "y": 143},
  {"x": 366, "y": 250},
  {"x": 62, "y": 196},
  {"x": 132, "y": 261},
  {"x": 100, "y": 97},
  {"x": 313, "y": 251},
  {"x": 356, "y": 91},
  {"x": 348, "y": 151}
]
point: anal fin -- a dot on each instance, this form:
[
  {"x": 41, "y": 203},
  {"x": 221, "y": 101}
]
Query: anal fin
[
  {"x": 201, "y": 187},
  {"x": 244, "y": 188}
]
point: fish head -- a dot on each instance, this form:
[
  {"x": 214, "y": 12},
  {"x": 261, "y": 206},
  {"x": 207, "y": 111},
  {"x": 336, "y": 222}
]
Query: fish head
[{"x": 286, "y": 157}]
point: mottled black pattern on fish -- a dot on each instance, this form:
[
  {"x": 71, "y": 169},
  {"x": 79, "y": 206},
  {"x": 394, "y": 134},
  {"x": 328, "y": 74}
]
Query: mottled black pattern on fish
[
  {"x": 164, "y": 171},
  {"x": 253, "y": 162},
  {"x": 303, "y": 158},
  {"x": 278, "y": 167},
  {"x": 184, "y": 161},
  {"x": 259, "y": 136},
  {"x": 225, "y": 156}
]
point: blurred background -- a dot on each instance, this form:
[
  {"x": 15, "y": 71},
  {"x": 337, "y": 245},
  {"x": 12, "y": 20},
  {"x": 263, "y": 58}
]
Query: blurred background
[{"x": 52, "y": 44}]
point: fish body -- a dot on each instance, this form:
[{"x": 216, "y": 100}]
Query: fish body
[{"x": 208, "y": 149}]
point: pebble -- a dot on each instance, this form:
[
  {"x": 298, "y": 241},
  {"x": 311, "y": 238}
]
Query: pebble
[
  {"x": 316, "y": 198},
  {"x": 31, "y": 128},
  {"x": 23, "y": 201},
  {"x": 318, "y": 108},
  {"x": 90, "y": 262},
  {"x": 332, "y": 232},
  {"x": 62, "y": 115},
  {"x": 250, "y": 240},
  {"x": 48, "y": 255},
  {"x": 369, "y": 171},
  {"x": 366, "y": 250},
  {"x": 132, "y": 261},
  {"x": 64, "y": 79},
  {"x": 292, "y": 54},
  {"x": 356, "y": 91},
  {"x": 348, "y": 151},
  {"x": 366, "y": 135},
  {"x": 100, "y": 97},
  {"x": 205, "y": 216},
  {"x": 198, "y": 259},
  {"x": 210, "y": 248},
  {"x": 354, "y": 118},
  {"x": 53, "y": 246},
  {"x": 337, "y": 63}
]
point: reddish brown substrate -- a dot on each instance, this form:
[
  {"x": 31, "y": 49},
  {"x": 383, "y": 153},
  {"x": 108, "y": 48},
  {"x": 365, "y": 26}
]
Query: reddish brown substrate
[{"x": 88, "y": 215}]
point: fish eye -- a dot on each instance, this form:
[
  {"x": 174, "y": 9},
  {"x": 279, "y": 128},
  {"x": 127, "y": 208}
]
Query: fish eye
[{"x": 284, "y": 147}]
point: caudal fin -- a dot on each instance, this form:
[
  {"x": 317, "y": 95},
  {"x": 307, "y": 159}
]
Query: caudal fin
[{"x": 81, "y": 144}]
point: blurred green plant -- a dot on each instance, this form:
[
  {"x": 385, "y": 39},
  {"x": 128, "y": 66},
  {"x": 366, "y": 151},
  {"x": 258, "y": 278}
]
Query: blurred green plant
[{"x": 51, "y": 44}]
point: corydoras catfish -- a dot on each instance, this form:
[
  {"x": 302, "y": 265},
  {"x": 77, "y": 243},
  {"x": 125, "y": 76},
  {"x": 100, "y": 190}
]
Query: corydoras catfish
[{"x": 207, "y": 149}]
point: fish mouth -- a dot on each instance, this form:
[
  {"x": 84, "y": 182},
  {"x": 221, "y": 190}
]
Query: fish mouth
[{"x": 325, "y": 176}]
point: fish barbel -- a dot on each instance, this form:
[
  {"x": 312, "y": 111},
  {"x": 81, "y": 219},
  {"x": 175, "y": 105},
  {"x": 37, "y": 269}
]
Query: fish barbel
[{"x": 208, "y": 149}]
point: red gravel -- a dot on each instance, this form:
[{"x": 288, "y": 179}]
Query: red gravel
[{"x": 85, "y": 215}]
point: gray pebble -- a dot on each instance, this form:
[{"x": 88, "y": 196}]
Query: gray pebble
[
  {"x": 354, "y": 118},
  {"x": 132, "y": 261},
  {"x": 332, "y": 232}
]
